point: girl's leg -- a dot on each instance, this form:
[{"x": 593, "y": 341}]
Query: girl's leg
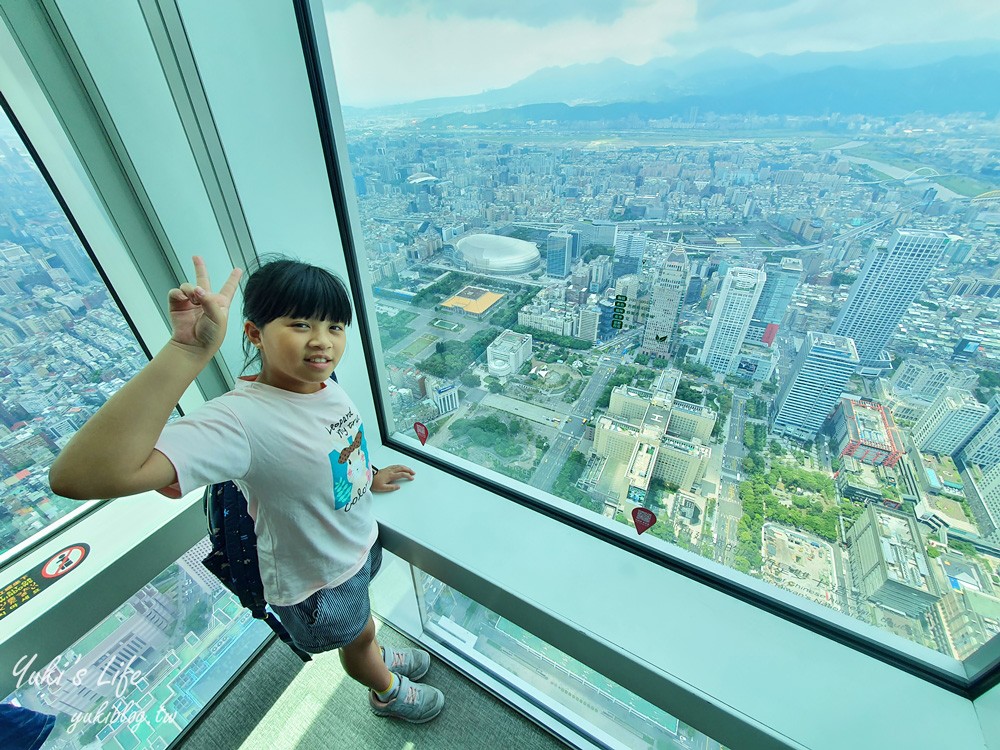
[{"x": 362, "y": 660}]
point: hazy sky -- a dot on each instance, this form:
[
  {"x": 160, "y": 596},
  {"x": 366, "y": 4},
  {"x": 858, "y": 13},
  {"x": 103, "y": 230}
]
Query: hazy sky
[{"x": 389, "y": 51}]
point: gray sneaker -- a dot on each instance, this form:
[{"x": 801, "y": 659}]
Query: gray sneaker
[
  {"x": 411, "y": 662},
  {"x": 414, "y": 703}
]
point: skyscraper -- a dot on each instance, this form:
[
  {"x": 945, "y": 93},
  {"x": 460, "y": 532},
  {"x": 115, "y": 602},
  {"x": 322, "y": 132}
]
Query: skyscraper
[
  {"x": 890, "y": 280},
  {"x": 629, "y": 249},
  {"x": 740, "y": 291},
  {"x": 559, "y": 254},
  {"x": 983, "y": 445},
  {"x": 781, "y": 282},
  {"x": 950, "y": 420},
  {"x": 813, "y": 388},
  {"x": 669, "y": 286}
]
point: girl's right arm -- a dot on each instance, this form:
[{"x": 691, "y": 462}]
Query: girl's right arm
[{"x": 113, "y": 453}]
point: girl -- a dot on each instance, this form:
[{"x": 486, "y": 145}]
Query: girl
[{"x": 294, "y": 444}]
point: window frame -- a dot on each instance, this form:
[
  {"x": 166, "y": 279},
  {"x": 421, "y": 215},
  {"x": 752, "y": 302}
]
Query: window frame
[
  {"x": 67, "y": 134},
  {"x": 969, "y": 678}
]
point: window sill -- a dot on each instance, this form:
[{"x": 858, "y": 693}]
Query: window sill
[{"x": 743, "y": 676}]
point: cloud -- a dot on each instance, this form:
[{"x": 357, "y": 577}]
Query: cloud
[
  {"x": 413, "y": 55},
  {"x": 792, "y": 26},
  {"x": 709, "y": 9},
  {"x": 388, "y": 51},
  {"x": 533, "y": 13}
]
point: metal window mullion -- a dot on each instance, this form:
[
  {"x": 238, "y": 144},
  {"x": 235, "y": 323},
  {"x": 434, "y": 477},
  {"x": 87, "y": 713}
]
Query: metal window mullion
[
  {"x": 48, "y": 46},
  {"x": 180, "y": 70}
]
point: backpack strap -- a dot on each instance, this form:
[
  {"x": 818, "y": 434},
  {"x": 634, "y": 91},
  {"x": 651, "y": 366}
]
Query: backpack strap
[{"x": 233, "y": 559}]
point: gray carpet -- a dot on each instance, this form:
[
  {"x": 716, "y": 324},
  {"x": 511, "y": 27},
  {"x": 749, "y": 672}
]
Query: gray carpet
[{"x": 280, "y": 704}]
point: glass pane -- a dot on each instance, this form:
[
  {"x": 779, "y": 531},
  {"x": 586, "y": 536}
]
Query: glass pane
[
  {"x": 65, "y": 347},
  {"x": 740, "y": 294},
  {"x": 144, "y": 674},
  {"x": 570, "y": 691}
]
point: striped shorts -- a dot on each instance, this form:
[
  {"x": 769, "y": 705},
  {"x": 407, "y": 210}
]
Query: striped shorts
[{"x": 333, "y": 618}]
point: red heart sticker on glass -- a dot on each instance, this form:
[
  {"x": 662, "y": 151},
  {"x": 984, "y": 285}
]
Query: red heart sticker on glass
[
  {"x": 643, "y": 519},
  {"x": 421, "y": 430}
]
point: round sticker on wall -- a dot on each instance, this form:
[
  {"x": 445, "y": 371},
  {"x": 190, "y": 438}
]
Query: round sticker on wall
[
  {"x": 15, "y": 593},
  {"x": 63, "y": 561}
]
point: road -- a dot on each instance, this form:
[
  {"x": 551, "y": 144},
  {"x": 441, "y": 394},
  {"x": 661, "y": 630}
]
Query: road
[
  {"x": 572, "y": 429},
  {"x": 730, "y": 509}
]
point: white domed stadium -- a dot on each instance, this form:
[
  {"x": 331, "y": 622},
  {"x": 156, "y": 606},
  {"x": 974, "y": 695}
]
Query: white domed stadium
[{"x": 492, "y": 253}]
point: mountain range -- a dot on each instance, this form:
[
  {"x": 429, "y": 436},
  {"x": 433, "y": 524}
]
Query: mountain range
[{"x": 936, "y": 78}]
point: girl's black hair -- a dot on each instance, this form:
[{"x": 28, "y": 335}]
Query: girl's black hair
[{"x": 289, "y": 288}]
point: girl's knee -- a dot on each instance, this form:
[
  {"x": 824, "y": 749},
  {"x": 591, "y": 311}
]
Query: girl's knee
[{"x": 365, "y": 637}]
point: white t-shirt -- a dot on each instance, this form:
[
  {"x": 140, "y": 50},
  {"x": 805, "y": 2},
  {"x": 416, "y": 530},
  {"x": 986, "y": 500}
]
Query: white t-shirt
[{"x": 301, "y": 459}]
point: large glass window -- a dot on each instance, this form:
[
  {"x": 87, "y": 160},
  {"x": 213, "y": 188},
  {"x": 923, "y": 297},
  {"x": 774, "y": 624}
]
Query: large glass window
[
  {"x": 144, "y": 674},
  {"x": 688, "y": 287},
  {"x": 704, "y": 271},
  {"x": 561, "y": 685},
  {"x": 65, "y": 346}
]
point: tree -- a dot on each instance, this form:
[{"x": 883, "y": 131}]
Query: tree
[
  {"x": 470, "y": 379},
  {"x": 496, "y": 387}
]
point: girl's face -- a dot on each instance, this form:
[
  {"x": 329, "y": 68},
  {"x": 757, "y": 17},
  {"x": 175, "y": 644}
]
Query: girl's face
[{"x": 297, "y": 354}]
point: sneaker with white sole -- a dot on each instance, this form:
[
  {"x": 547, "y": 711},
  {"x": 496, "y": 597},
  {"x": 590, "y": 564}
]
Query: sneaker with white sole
[
  {"x": 410, "y": 662},
  {"x": 414, "y": 703}
]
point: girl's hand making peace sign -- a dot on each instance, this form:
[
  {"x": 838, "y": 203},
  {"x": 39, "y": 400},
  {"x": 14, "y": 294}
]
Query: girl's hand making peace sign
[{"x": 198, "y": 315}]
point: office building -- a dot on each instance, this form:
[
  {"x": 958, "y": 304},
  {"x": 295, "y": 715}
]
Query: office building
[
  {"x": 926, "y": 380},
  {"x": 814, "y": 385},
  {"x": 588, "y": 323},
  {"x": 630, "y": 247},
  {"x": 755, "y": 360},
  {"x": 975, "y": 286},
  {"x": 983, "y": 445},
  {"x": 508, "y": 560},
  {"x": 984, "y": 500},
  {"x": 599, "y": 233},
  {"x": 691, "y": 421},
  {"x": 671, "y": 433},
  {"x": 864, "y": 430},
  {"x": 600, "y": 273},
  {"x": 949, "y": 422},
  {"x": 445, "y": 398},
  {"x": 970, "y": 617},
  {"x": 888, "y": 562},
  {"x": 739, "y": 294},
  {"x": 559, "y": 254},
  {"x": 667, "y": 297},
  {"x": 967, "y": 348},
  {"x": 782, "y": 279},
  {"x": 889, "y": 282},
  {"x": 507, "y": 353}
]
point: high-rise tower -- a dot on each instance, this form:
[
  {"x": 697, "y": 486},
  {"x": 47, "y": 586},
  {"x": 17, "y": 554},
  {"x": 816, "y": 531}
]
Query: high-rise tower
[
  {"x": 890, "y": 280},
  {"x": 740, "y": 291},
  {"x": 949, "y": 422},
  {"x": 558, "y": 254},
  {"x": 629, "y": 249},
  {"x": 669, "y": 286},
  {"x": 775, "y": 297},
  {"x": 813, "y": 388}
]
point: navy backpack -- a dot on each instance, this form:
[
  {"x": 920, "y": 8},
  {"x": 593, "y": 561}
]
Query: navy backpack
[{"x": 233, "y": 559}]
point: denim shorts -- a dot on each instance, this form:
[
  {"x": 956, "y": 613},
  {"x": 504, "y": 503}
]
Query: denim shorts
[{"x": 332, "y": 618}]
